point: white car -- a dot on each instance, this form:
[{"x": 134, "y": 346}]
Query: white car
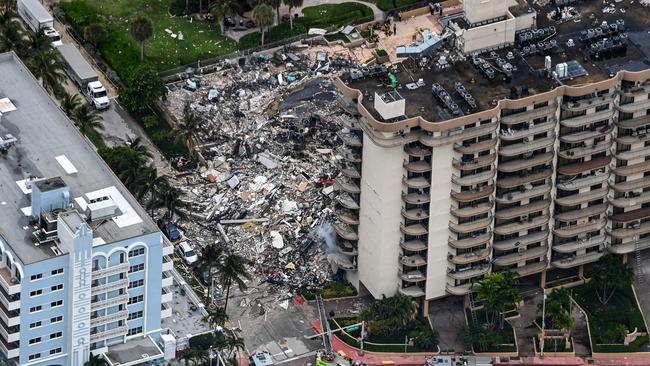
[{"x": 187, "y": 253}]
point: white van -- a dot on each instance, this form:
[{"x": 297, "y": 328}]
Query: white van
[{"x": 187, "y": 253}]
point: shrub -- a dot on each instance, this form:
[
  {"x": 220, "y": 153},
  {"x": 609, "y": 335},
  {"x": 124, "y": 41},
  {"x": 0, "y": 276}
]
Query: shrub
[
  {"x": 277, "y": 33},
  {"x": 382, "y": 53},
  {"x": 332, "y": 290},
  {"x": 615, "y": 333}
]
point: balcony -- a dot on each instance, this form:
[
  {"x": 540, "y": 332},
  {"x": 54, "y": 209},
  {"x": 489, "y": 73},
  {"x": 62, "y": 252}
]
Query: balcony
[
  {"x": 532, "y": 268},
  {"x": 584, "y": 166},
  {"x": 415, "y": 214},
  {"x": 417, "y": 245},
  {"x": 115, "y": 285},
  {"x": 351, "y": 172},
  {"x": 579, "y": 198},
  {"x": 459, "y": 289},
  {"x": 527, "y": 146},
  {"x": 574, "y": 215},
  {"x": 10, "y": 302},
  {"x": 349, "y": 138},
  {"x": 348, "y": 155},
  {"x": 110, "y": 333},
  {"x": 576, "y": 137},
  {"x": 109, "y": 318},
  {"x": 412, "y": 276},
  {"x": 480, "y": 162},
  {"x": 10, "y": 284},
  {"x": 418, "y": 166},
  {"x": 523, "y": 193},
  {"x": 165, "y": 311},
  {"x": 167, "y": 279},
  {"x": 510, "y": 135},
  {"x": 631, "y": 185},
  {"x": 108, "y": 271},
  {"x": 634, "y": 137},
  {"x": 470, "y": 242},
  {"x": 579, "y": 244},
  {"x": 627, "y": 231},
  {"x": 470, "y": 226},
  {"x": 413, "y": 261},
  {"x": 472, "y": 179},
  {"x": 412, "y": 291},
  {"x": 633, "y": 215},
  {"x": 517, "y": 211},
  {"x": 634, "y": 122},
  {"x": 416, "y": 183},
  {"x": 167, "y": 264},
  {"x": 166, "y": 295},
  {"x": 167, "y": 248},
  {"x": 414, "y": 230},
  {"x": 627, "y": 248},
  {"x": 573, "y": 183},
  {"x": 473, "y": 210},
  {"x": 10, "y": 318},
  {"x": 470, "y": 272},
  {"x": 473, "y": 194},
  {"x": 416, "y": 198},
  {"x": 629, "y": 200},
  {"x": 346, "y": 217},
  {"x": 521, "y": 241},
  {"x": 345, "y": 200},
  {"x": 471, "y": 257},
  {"x": 347, "y": 185},
  {"x": 524, "y": 163},
  {"x": 575, "y": 230},
  {"x": 346, "y": 248},
  {"x": 577, "y": 260},
  {"x": 586, "y": 150},
  {"x": 635, "y": 91},
  {"x": 634, "y": 106},
  {"x": 636, "y": 153},
  {"x": 101, "y": 304},
  {"x": 529, "y": 114},
  {"x": 418, "y": 150},
  {"x": 9, "y": 349},
  {"x": 346, "y": 232},
  {"x": 348, "y": 122},
  {"x": 475, "y": 147},
  {"x": 631, "y": 169},
  {"x": 524, "y": 178},
  {"x": 512, "y": 258},
  {"x": 523, "y": 225},
  {"x": 344, "y": 262},
  {"x": 588, "y": 103},
  {"x": 478, "y": 131},
  {"x": 579, "y": 121},
  {"x": 10, "y": 334}
]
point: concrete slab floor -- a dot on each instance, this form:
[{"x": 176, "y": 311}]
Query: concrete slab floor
[
  {"x": 184, "y": 320},
  {"x": 447, "y": 317}
]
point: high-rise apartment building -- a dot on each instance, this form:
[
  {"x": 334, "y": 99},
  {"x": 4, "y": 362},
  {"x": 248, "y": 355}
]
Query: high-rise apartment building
[
  {"x": 527, "y": 167},
  {"x": 83, "y": 268}
]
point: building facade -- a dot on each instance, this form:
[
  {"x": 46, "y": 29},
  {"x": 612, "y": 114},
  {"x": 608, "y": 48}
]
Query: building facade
[
  {"x": 543, "y": 185},
  {"x": 83, "y": 269}
]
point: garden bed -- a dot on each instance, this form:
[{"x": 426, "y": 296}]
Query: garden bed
[
  {"x": 332, "y": 290},
  {"x": 554, "y": 345},
  {"x": 503, "y": 340},
  {"x": 372, "y": 343},
  {"x": 338, "y": 36}
]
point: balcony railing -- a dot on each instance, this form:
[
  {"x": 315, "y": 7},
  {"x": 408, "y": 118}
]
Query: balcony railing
[
  {"x": 10, "y": 284},
  {"x": 416, "y": 245},
  {"x": 470, "y": 242},
  {"x": 586, "y": 150},
  {"x": 412, "y": 276},
  {"x": 510, "y": 134},
  {"x": 475, "y": 163},
  {"x": 474, "y": 210},
  {"x": 418, "y": 166},
  {"x": 346, "y": 232},
  {"x": 475, "y": 147},
  {"x": 575, "y": 183},
  {"x": 524, "y": 178},
  {"x": 413, "y": 261},
  {"x": 417, "y": 182},
  {"x": 529, "y": 114},
  {"x": 523, "y": 163},
  {"x": 634, "y": 122},
  {"x": 522, "y": 225},
  {"x": 412, "y": 291},
  {"x": 630, "y": 185},
  {"x": 579, "y": 244},
  {"x": 415, "y": 214},
  {"x": 470, "y": 272},
  {"x": 579, "y": 213},
  {"x": 629, "y": 247},
  {"x": 472, "y": 179},
  {"x": 532, "y": 268},
  {"x": 527, "y": 146},
  {"x": 579, "y": 121},
  {"x": 631, "y": 169},
  {"x": 101, "y": 304},
  {"x": 471, "y": 195},
  {"x": 509, "y": 244},
  {"x": 630, "y": 199},
  {"x": 575, "y": 230},
  {"x": 584, "y": 166},
  {"x": 578, "y": 198},
  {"x": 416, "y": 198},
  {"x": 347, "y": 185},
  {"x": 470, "y": 226},
  {"x": 345, "y": 200},
  {"x": 522, "y": 194},
  {"x": 577, "y": 260},
  {"x": 576, "y": 137},
  {"x": 634, "y": 106},
  {"x": 471, "y": 257},
  {"x": 414, "y": 230},
  {"x": 111, "y": 333},
  {"x": 512, "y": 212},
  {"x": 517, "y": 257},
  {"x": 110, "y": 286},
  {"x": 109, "y": 318},
  {"x": 108, "y": 271},
  {"x": 459, "y": 290}
]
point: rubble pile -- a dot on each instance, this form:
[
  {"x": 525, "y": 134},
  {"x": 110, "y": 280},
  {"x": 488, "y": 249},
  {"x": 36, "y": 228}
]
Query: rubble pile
[{"x": 267, "y": 142}]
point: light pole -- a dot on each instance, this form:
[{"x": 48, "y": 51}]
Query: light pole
[{"x": 541, "y": 342}]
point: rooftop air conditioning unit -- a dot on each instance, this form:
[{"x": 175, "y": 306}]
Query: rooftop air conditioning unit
[{"x": 102, "y": 210}]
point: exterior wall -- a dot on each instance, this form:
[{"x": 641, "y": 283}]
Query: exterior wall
[
  {"x": 49, "y": 200},
  {"x": 380, "y": 218},
  {"x": 495, "y": 35},
  {"x": 525, "y": 21},
  {"x": 479, "y": 10},
  {"x": 439, "y": 221}
]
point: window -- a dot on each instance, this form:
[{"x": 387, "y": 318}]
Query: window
[
  {"x": 56, "y": 319},
  {"x": 135, "y": 299},
  {"x": 136, "y": 252},
  {"x": 58, "y": 287},
  {"x": 57, "y": 272},
  {"x": 54, "y": 304},
  {"x": 35, "y": 325},
  {"x": 133, "y": 331},
  {"x": 35, "y": 340},
  {"x": 35, "y": 277},
  {"x": 34, "y": 356},
  {"x": 134, "y": 284},
  {"x": 136, "y": 315},
  {"x": 34, "y": 309},
  {"x": 56, "y": 335},
  {"x": 136, "y": 268},
  {"x": 36, "y": 293},
  {"x": 55, "y": 351}
]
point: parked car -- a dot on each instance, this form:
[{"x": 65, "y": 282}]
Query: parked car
[
  {"x": 169, "y": 230},
  {"x": 187, "y": 253}
]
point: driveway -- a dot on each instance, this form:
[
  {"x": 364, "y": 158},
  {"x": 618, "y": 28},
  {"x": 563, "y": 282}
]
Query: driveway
[
  {"x": 447, "y": 317},
  {"x": 642, "y": 278}
]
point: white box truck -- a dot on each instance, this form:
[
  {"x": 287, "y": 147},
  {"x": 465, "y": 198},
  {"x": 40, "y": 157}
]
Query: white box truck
[
  {"x": 37, "y": 17},
  {"x": 84, "y": 76}
]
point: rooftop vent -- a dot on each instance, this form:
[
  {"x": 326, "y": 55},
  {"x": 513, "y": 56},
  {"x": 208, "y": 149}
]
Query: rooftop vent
[{"x": 101, "y": 209}]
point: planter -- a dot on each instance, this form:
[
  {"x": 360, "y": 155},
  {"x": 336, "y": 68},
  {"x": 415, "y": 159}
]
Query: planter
[
  {"x": 382, "y": 56},
  {"x": 371, "y": 44}
]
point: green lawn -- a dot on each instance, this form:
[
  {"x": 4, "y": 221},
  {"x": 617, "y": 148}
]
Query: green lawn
[
  {"x": 201, "y": 40},
  {"x": 332, "y": 290}
]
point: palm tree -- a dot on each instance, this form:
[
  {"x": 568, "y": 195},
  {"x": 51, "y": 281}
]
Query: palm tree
[
  {"x": 69, "y": 103},
  {"x": 150, "y": 185},
  {"x": 263, "y": 17},
  {"x": 87, "y": 119},
  {"x": 169, "y": 198},
  {"x": 498, "y": 293},
  {"x": 185, "y": 356},
  {"x": 233, "y": 271},
  {"x": 233, "y": 342},
  {"x": 275, "y": 4},
  {"x": 210, "y": 260},
  {"x": 13, "y": 35},
  {"x": 141, "y": 29},
  {"x": 224, "y": 9},
  {"x": 136, "y": 145},
  {"x": 292, "y": 4},
  {"x": 39, "y": 42},
  {"x": 199, "y": 357},
  {"x": 216, "y": 316},
  {"x": 186, "y": 131},
  {"x": 96, "y": 361},
  {"x": 608, "y": 275},
  {"x": 46, "y": 66}
]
